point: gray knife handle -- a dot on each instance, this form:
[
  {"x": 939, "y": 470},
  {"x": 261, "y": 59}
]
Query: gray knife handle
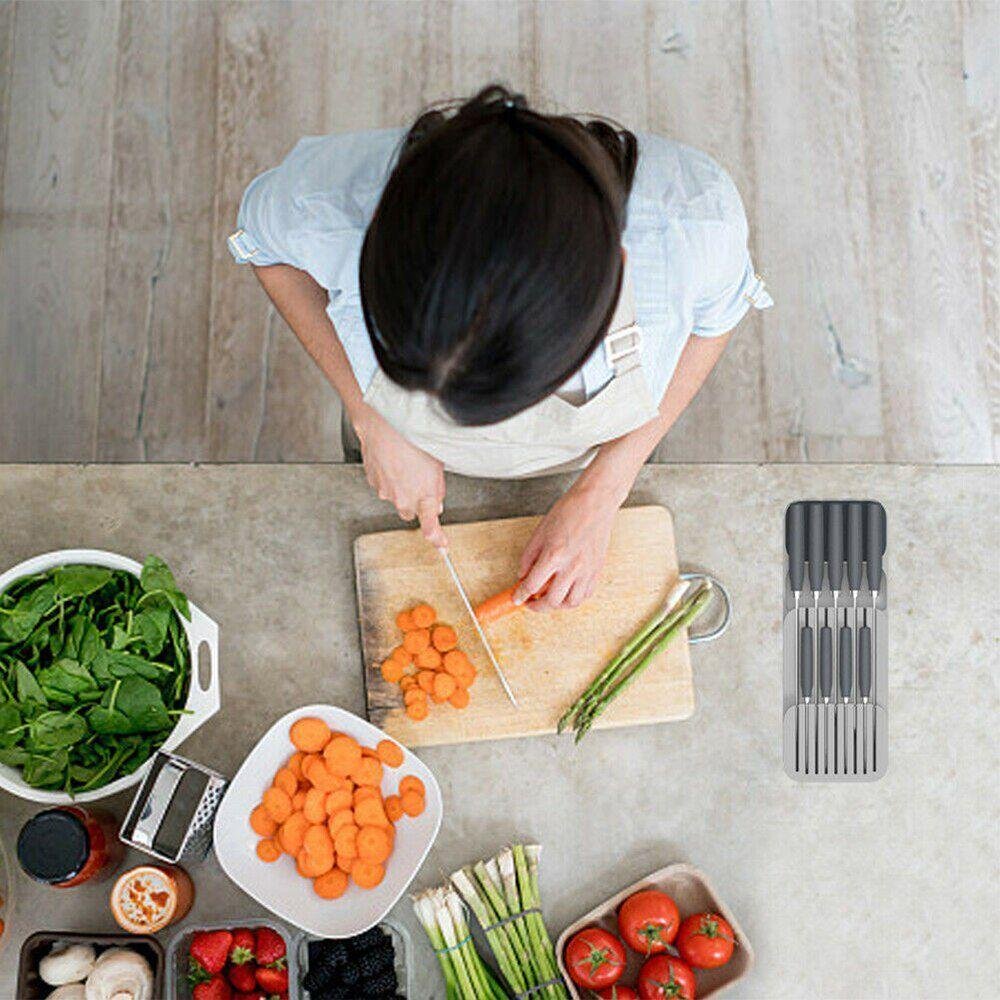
[
  {"x": 825, "y": 661},
  {"x": 835, "y": 543},
  {"x": 806, "y": 661},
  {"x": 817, "y": 553},
  {"x": 864, "y": 661},
  {"x": 846, "y": 661},
  {"x": 855, "y": 541},
  {"x": 874, "y": 543},
  {"x": 795, "y": 544}
]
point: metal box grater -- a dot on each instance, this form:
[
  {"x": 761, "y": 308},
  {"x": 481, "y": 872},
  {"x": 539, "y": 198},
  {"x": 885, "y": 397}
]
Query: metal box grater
[{"x": 172, "y": 814}]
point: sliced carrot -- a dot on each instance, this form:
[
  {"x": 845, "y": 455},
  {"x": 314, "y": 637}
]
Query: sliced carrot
[
  {"x": 444, "y": 638},
  {"x": 322, "y": 776},
  {"x": 418, "y": 639},
  {"x": 299, "y": 799},
  {"x": 317, "y": 840},
  {"x": 404, "y": 621},
  {"x": 342, "y": 754},
  {"x": 465, "y": 676},
  {"x": 403, "y": 655},
  {"x": 390, "y": 753},
  {"x": 344, "y": 864},
  {"x": 346, "y": 842},
  {"x": 413, "y": 803},
  {"x": 415, "y": 694},
  {"x": 392, "y": 671},
  {"x": 294, "y": 764},
  {"x": 309, "y": 735},
  {"x": 373, "y": 844},
  {"x": 423, "y": 616},
  {"x": 426, "y": 680},
  {"x": 343, "y": 817},
  {"x": 332, "y": 885},
  {"x": 311, "y": 865},
  {"x": 278, "y": 804},
  {"x": 369, "y": 812},
  {"x": 417, "y": 711},
  {"x": 363, "y": 792},
  {"x": 370, "y": 752},
  {"x": 262, "y": 823},
  {"x": 335, "y": 801},
  {"x": 411, "y": 783},
  {"x": 291, "y": 833},
  {"x": 367, "y": 874},
  {"x": 428, "y": 659},
  {"x": 268, "y": 850},
  {"x": 455, "y": 661},
  {"x": 444, "y": 686},
  {"x": 286, "y": 781},
  {"x": 315, "y": 806},
  {"x": 368, "y": 771},
  {"x": 393, "y": 808},
  {"x": 459, "y": 698},
  {"x": 408, "y": 682}
]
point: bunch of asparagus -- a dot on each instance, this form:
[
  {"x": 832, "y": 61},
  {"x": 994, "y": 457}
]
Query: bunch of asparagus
[{"x": 679, "y": 611}]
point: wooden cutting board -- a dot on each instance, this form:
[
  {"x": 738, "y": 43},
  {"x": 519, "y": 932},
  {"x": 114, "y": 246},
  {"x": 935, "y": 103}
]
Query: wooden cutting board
[{"x": 548, "y": 658}]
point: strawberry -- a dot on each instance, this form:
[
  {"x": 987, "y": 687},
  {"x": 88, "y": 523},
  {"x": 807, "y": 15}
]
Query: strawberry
[
  {"x": 210, "y": 949},
  {"x": 215, "y": 989},
  {"x": 269, "y": 947},
  {"x": 254, "y": 994},
  {"x": 242, "y": 977},
  {"x": 273, "y": 980},
  {"x": 241, "y": 950}
]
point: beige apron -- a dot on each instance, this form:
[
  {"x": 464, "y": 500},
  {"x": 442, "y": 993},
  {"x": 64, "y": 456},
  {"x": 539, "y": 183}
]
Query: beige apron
[{"x": 554, "y": 435}]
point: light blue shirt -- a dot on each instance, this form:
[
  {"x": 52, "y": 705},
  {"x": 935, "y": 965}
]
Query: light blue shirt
[{"x": 686, "y": 241}]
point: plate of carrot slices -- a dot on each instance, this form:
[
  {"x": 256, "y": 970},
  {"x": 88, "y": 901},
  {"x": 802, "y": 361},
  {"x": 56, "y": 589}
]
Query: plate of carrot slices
[{"x": 327, "y": 821}]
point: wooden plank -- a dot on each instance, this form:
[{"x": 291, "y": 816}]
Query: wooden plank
[
  {"x": 7, "y": 13},
  {"x": 548, "y": 658},
  {"x": 156, "y": 306},
  {"x": 54, "y": 224},
  {"x": 698, "y": 95},
  {"x": 929, "y": 303}
]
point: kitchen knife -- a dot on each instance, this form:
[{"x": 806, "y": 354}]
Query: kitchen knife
[
  {"x": 475, "y": 621},
  {"x": 874, "y": 550},
  {"x": 806, "y": 677},
  {"x": 864, "y": 688},
  {"x": 845, "y": 666},
  {"x": 795, "y": 546},
  {"x": 825, "y": 690}
]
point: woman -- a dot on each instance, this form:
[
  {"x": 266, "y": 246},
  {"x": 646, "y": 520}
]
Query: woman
[{"x": 471, "y": 289}]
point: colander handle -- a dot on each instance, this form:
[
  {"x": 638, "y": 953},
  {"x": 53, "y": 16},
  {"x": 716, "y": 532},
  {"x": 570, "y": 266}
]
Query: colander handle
[{"x": 202, "y": 702}]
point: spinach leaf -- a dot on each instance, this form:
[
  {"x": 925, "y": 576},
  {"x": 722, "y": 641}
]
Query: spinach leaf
[
  {"x": 156, "y": 579},
  {"x": 28, "y": 688},
  {"x": 120, "y": 665},
  {"x": 19, "y": 622},
  {"x": 13, "y": 756},
  {"x": 79, "y": 580},
  {"x": 46, "y": 770},
  {"x": 66, "y": 679},
  {"x": 10, "y": 721},
  {"x": 132, "y": 706},
  {"x": 151, "y": 626},
  {"x": 54, "y": 730}
]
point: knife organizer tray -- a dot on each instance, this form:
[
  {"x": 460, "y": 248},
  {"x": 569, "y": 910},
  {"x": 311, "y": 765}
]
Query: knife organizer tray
[{"x": 850, "y": 742}]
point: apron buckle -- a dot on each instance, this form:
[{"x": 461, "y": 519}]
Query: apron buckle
[
  {"x": 240, "y": 247},
  {"x": 631, "y": 335}
]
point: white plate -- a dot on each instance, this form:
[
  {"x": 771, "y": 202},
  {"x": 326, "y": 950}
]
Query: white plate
[{"x": 277, "y": 885}]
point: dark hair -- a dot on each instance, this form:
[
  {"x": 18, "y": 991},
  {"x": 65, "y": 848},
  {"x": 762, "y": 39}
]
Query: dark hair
[{"x": 492, "y": 264}]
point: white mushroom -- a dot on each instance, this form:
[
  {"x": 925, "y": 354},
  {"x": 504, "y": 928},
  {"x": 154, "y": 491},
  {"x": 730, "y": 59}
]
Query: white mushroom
[
  {"x": 120, "y": 974},
  {"x": 67, "y": 964},
  {"x": 69, "y": 991}
]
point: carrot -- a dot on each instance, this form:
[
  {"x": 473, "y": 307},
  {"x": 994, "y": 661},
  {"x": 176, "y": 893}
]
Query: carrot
[
  {"x": 286, "y": 781},
  {"x": 344, "y": 864},
  {"x": 411, "y": 783},
  {"x": 367, "y": 874},
  {"x": 393, "y": 808},
  {"x": 294, "y": 764},
  {"x": 408, "y": 681},
  {"x": 426, "y": 680},
  {"x": 363, "y": 792},
  {"x": 444, "y": 638},
  {"x": 335, "y": 801},
  {"x": 428, "y": 659},
  {"x": 268, "y": 850},
  {"x": 413, "y": 803},
  {"x": 392, "y": 671},
  {"x": 262, "y": 823},
  {"x": 311, "y": 866},
  {"x": 316, "y": 839},
  {"x": 299, "y": 799},
  {"x": 369, "y": 812},
  {"x": 444, "y": 687},
  {"x": 278, "y": 804},
  {"x": 415, "y": 694},
  {"x": 466, "y": 675},
  {"x": 455, "y": 661},
  {"x": 373, "y": 844},
  {"x": 343, "y": 817},
  {"x": 404, "y": 656},
  {"x": 332, "y": 885},
  {"x": 390, "y": 753},
  {"x": 309, "y": 735},
  {"x": 417, "y": 711},
  {"x": 368, "y": 771},
  {"x": 459, "y": 698},
  {"x": 370, "y": 752},
  {"x": 342, "y": 754},
  {"x": 346, "y": 841},
  {"x": 315, "y": 805},
  {"x": 418, "y": 639},
  {"x": 291, "y": 833},
  {"x": 321, "y": 776},
  {"x": 423, "y": 616},
  {"x": 404, "y": 621}
]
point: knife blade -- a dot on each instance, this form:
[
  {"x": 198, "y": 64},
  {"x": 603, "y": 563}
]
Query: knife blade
[{"x": 479, "y": 630}]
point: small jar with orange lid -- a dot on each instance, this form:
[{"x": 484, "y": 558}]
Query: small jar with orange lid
[{"x": 150, "y": 897}]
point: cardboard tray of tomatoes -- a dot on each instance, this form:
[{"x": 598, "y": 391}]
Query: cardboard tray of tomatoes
[{"x": 693, "y": 893}]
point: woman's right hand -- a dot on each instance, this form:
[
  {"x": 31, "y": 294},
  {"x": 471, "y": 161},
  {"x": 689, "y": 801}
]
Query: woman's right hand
[{"x": 400, "y": 472}]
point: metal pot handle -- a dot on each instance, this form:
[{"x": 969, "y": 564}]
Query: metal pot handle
[{"x": 717, "y": 588}]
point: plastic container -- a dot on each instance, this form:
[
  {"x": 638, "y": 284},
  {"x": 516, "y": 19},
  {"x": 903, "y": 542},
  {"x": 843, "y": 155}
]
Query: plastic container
[
  {"x": 691, "y": 890},
  {"x": 37, "y": 946},
  {"x": 180, "y": 944},
  {"x": 401, "y": 943},
  {"x": 201, "y": 704},
  {"x": 277, "y": 886}
]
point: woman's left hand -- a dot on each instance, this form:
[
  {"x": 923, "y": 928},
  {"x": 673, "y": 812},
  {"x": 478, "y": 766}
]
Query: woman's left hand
[{"x": 568, "y": 548}]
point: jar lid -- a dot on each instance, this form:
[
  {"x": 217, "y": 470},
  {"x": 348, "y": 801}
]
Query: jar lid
[{"x": 53, "y": 846}]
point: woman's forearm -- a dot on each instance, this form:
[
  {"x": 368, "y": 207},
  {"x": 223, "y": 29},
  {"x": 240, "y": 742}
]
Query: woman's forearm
[
  {"x": 302, "y": 304},
  {"x": 618, "y": 462}
]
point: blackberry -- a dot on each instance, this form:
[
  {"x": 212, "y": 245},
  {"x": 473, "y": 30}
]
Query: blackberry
[
  {"x": 383, "y": 986},
  {"x": 371, "y": 937},
  {"x": 376, "y": 962}
]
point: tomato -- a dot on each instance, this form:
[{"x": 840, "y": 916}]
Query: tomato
[
  {"x": 618, "y": 992},
  {"x": 648, "y": 921},
  {"x": 594, "y": 958},
  {"x": 664, "y": 976},
  {"x": 705, "y": 941}
]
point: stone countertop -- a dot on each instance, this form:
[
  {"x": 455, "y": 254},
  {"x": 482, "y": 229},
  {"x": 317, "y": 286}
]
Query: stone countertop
[{"x": 844, "y": 890}]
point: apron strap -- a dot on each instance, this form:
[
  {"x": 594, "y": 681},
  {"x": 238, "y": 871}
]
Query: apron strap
[{"x": 622, "y": 348}]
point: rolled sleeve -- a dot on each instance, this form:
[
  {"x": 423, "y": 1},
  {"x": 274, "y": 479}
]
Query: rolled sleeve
[
  {"x": 262, "y": 221},
  {"x": 718, "y": 313}
]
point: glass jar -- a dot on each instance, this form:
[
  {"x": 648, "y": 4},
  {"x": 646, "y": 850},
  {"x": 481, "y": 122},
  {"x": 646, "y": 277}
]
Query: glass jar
[
  {"x": 67, "y": 846},
  {"x": 150, "y": 897}
]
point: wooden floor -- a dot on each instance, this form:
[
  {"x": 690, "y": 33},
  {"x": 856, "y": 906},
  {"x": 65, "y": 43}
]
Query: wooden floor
[{"x": 863, "y": 136}]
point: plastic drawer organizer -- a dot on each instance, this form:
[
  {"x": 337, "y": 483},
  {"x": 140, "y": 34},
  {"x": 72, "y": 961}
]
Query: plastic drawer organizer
[{"x": 835, "y": 682}]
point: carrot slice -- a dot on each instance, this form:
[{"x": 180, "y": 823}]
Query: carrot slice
[
  {"x": 428, "y": 659},
  {"x": 342, "y": 754},
  {"x": 299, "y": 799},
  {"x": 426, "y": 680},
  {"x": 317, "y": 840},
  {"x": 363, "y": 792},
  {"x": 341, "y": 818},
  {"x": 367, "y": 874},
  {"x": 368, "y": 771},
  {"x": 393, "y": 808},
  {"x": 390, "y": 753},
  {"x": 309, "y": 735},
  {"x": 455, "y": 661},
  {"x": 315, "y": 805},
  {"x": 466, "y": 675},
  {"x": 417, "y": 711},
  {"x": 392, "y": 671},
  {"x": 311, "y": 866},
  {"x": 404, "y": 656},
  {"x": 286, "y": 781},
  {"x": 423, "y": 616},
  {"x": 321, "y": 776},
  {"x": 294, "y": 764},
  {"x": 346, "y": 841},
  {"x": 418, "y": 639},
  {"x": 411, "y": 783},
  {"x": 416, "y": 694},
  {"x": 444, "y": 686},
  {"x": 335, "y": 801},
  {"x": 291, "y": 832},
  {"x": 268, "y": 850},
  {"x": 262, "y": 823},
  {"x": 370, "y": 752},
  {"x": 332, "y": 885},
  {"x": 369, "y": 812},
  {"x": 444, "y": 638},
  {"x": 404, "y": 621},
  {"x": 408, "y": 682},
  {"x": 459, "y": 698},
  {"x": 278, "y": 804},
  {"x": 344, "y": 864},
  {"x": 413, "y": 803},
  {"x": 373, "y": 844}
]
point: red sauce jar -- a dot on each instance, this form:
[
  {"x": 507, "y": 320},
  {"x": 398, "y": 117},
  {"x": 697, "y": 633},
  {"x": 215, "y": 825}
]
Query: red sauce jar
[{"x": 67, "y": 846}]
